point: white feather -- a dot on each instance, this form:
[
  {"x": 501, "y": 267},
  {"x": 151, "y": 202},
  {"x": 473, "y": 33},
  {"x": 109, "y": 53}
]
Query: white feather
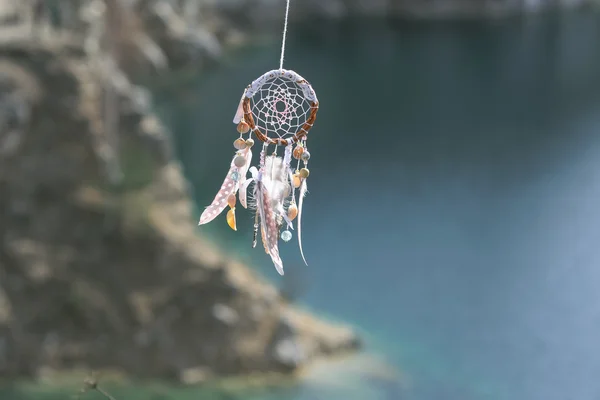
[
  {"x": 239, "y": 112},
  {"x": 244, "y": 182},
  {"x": 275, "y": 181},
  {"x": 303, "y": 190}
]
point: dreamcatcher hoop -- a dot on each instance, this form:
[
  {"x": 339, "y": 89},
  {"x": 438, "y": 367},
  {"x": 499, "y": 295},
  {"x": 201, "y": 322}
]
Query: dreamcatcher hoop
[
  {"x": 280, "y": 108},
  {"x": 280, "y": 102}
]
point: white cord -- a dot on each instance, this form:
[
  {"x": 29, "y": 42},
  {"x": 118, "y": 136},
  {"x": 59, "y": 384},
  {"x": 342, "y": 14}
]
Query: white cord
[{"x": 287, "y": 10}]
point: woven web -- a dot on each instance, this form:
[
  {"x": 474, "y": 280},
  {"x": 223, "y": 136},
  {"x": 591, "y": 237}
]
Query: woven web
[{"x": 280, "y": 108}]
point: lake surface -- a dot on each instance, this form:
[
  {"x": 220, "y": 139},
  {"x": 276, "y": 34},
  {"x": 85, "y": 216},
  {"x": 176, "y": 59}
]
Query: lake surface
[
  {"x": 453, "y": 214},
  {"x": 454, "y": 211}
]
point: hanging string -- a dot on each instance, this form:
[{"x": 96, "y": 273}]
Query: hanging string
[{"x": 285, "y": 24}]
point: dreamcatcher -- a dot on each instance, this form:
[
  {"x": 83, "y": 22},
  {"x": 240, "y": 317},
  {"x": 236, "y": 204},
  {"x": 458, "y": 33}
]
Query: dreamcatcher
[{"x": 280, "y": 107}]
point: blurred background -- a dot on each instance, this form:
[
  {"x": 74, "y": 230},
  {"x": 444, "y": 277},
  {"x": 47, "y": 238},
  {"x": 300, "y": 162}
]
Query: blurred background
[{"x": 451, "y": 226}]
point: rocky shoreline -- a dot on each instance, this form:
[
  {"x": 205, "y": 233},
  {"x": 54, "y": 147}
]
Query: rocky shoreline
[{"x": 100, "y": 263}]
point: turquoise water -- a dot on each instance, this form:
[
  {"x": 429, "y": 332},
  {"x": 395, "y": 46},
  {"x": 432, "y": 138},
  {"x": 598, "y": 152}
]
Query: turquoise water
[{"x": 453, "y": 212}]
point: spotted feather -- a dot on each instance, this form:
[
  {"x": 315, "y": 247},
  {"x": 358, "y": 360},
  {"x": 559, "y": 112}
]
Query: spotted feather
[
  {"x": 269, "y": 229},
  {"x": 229, "y": 186}
]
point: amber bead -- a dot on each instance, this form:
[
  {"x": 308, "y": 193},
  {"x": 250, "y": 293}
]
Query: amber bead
[
  {"x": 296, "y": 181},
  {"x": 298, "y": 151},
  {"x": 231, "y": 219},
  {"x": 292, "y": 211},
  {"x": 231, "y": 200}
]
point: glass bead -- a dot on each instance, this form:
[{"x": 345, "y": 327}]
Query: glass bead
[
  {"x": 286, "y": 236},
  {"x": 292, "y": 212},
  {"x": 305, "y": 156}
]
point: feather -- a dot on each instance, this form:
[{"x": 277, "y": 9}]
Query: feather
[
  {"x": 220, "y": 201},
  {"x": 287, "y": 219},
  {"x": 288, "y": 156},
  {"x": 247, "y": 153},
  {"x": 288, "y": 170},
  {"x": 239, "y": 113},
  {"x": 228, "y": 187},
  {"x": 264, "y": 240},
  {"x": 269, "y": 231},
  {"x": 244, "y": 187},
  {"x": 270, "y": 190},
  {"x": 243, "y": 182},
  {"x": 244, "y": 192},
  {"x": 303, "y": 190},
  {"x": 275, "y": 180}
]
